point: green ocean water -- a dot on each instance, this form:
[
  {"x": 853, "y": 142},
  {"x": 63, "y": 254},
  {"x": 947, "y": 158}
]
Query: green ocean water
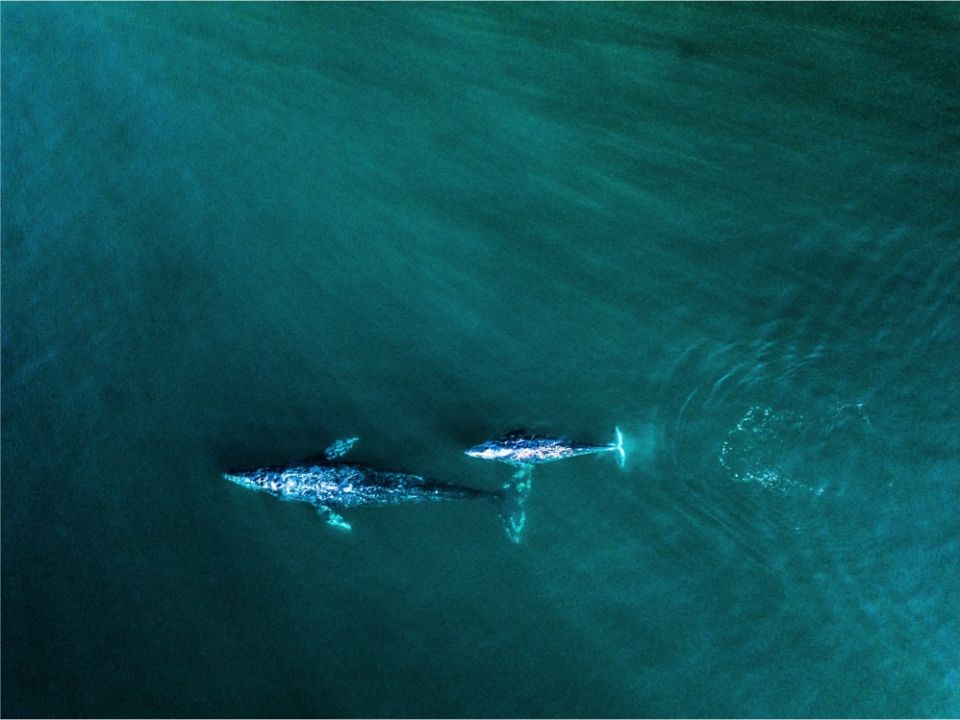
[{"x": 232, "y": 233}]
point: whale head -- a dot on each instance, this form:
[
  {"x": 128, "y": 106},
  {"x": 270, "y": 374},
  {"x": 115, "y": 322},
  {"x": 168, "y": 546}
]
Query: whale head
[{"x": 250, "y": 480}]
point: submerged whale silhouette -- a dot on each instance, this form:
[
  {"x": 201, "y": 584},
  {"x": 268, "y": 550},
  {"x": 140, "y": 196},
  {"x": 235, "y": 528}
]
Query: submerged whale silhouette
[{"x": 331, "y": 485}]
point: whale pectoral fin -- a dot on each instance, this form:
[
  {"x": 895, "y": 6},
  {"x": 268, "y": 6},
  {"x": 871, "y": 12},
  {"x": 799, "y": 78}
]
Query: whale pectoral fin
[
  {"x": 340, "y": 448},
  {"x": 512, "y": 499},
  {"x": 522, "y": 476},
  {"x": 333, "y": 519}
]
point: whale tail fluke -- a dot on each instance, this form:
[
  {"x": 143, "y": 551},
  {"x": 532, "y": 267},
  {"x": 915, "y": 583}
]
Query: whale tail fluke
[
  {"x": 618, "y": 447},
  {"x": 512, "y": 505}
]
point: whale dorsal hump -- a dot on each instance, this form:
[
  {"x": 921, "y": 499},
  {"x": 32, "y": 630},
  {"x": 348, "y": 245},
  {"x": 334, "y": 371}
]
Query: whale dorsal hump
[
  {"x": 519, "y": 433},
  {"x": 340, "y": 448}
]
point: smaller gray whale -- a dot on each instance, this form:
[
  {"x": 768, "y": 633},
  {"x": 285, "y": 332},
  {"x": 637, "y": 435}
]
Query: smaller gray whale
[
  {"x": 331, "y": 485},
  {"x": 520, "y": 449}
]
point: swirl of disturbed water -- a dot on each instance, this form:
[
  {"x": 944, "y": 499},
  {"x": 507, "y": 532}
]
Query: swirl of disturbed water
[
  {"x": 756, "y": 437},
  {"x": 759, "y": 414}
]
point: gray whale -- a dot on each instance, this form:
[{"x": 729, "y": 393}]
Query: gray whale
[{"x": 332, "y": 486}]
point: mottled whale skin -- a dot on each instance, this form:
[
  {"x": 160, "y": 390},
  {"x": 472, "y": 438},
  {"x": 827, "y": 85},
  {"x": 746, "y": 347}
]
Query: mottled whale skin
[
  {"x": 520, "y": 449},
  {"x": 331, "y": 485}
]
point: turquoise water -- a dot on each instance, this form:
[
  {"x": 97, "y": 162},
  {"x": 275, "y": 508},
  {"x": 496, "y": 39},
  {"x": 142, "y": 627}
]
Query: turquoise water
[{"x": 235, "y": 233}]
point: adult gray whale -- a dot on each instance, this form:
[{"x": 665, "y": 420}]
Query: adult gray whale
[
  {"x": 332, "y": 485},
  {"x": 520, "y": 449}
]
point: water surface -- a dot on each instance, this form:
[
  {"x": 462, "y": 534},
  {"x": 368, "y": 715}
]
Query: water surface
[{"x": 235, "y": 233}]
